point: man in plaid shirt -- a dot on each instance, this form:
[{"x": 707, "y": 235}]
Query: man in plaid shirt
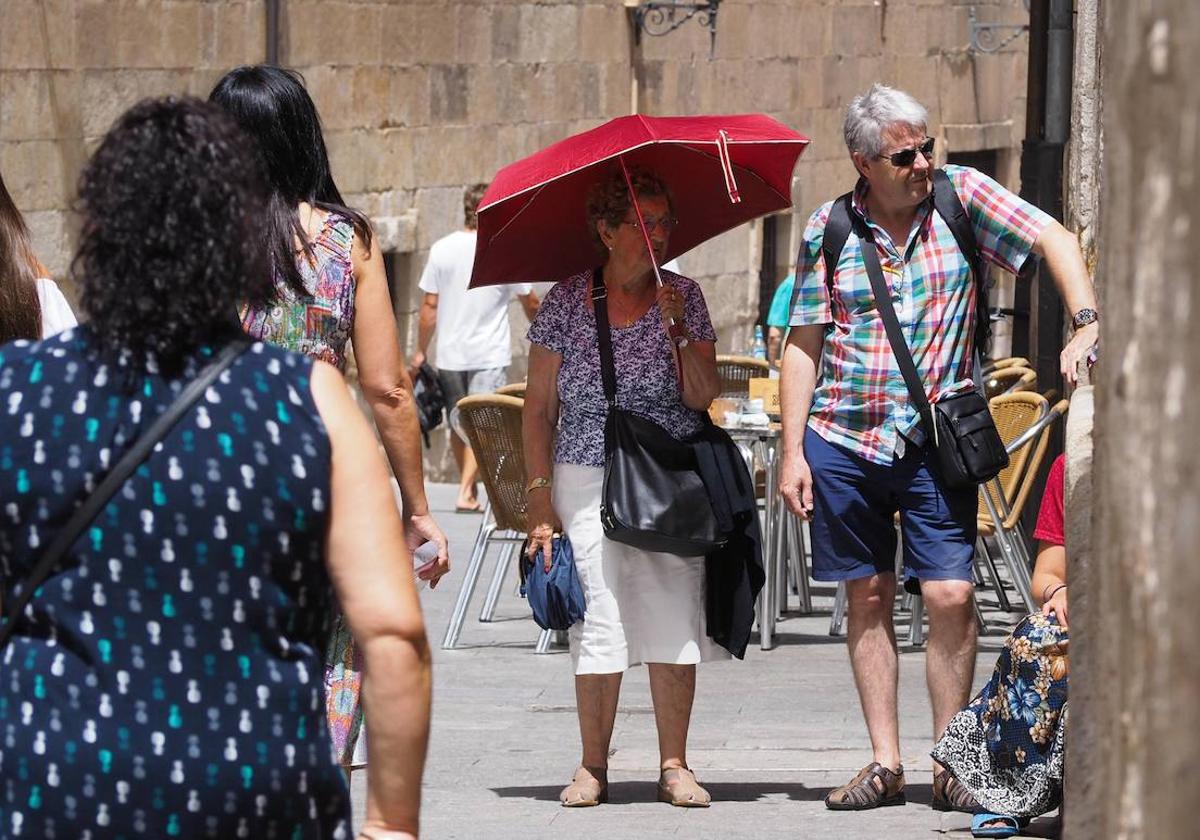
[{"x": 854, "y": 454}]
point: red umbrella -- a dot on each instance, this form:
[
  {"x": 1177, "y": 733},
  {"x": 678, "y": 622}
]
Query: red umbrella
[{"x": 721, "y": 170}]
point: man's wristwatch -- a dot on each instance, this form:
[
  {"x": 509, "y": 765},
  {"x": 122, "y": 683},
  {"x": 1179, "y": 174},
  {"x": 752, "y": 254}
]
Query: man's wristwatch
[{"x": 1084, "y": 317}]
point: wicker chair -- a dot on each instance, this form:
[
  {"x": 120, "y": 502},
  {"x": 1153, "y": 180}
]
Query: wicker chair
[
  {"x": 1009, "y": 361},
  {"x": 1004, "y": 498},
  {"x": 492, "y": 424},
  {"x": 736, "y": 373},
  {"x": 1009, "y": 380},
  {"x": 514, "y": 389}
]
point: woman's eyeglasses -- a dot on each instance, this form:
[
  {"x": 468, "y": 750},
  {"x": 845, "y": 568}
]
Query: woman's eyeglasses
[
  {"x": 906, "y": 157},
  {"x": 665, "y": 224}
]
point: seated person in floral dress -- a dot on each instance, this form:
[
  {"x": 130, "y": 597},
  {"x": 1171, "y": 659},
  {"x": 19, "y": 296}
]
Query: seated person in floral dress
[{"x": 1007, "y": 746}]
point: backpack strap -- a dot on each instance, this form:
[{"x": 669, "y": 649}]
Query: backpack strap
[
  {"x": 946, "y": 202},
  {"x": 833, "y": 240},
  {"x": 948, "y": 205},
  {"x": 837, "y": 231}
]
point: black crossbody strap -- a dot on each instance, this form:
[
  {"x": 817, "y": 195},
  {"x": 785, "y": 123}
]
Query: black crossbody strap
[
  {"x": 883, "y": 302},
  {"x": 86, "y": 513},
  {"x": 608, "y": 370}
]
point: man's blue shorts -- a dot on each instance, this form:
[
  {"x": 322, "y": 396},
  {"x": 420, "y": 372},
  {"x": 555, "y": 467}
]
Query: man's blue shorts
[{"x": 854, "y": 505}]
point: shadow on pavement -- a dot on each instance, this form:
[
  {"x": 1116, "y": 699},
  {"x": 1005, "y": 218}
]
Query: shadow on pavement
[{"x": 625, "y": 793}]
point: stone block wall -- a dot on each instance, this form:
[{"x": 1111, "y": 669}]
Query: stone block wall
[{"x": 420, "y": 97}]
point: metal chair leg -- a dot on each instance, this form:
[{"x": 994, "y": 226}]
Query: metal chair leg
[
  {"x": 1017, "y": 567},
  {"x": 800, "y": 566},
  {"x": 839, "y": 610},
  {"x": 502, "y": 565},
  {"x": 767, "y": 598},
  {"x": 979, "y": 621},
  {"x": 916, "y": 630},
  {"x": 470, "y": 577},
  {"x": 997, "y": 582}
]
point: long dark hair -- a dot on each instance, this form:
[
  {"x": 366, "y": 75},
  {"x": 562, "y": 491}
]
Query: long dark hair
[
  {"x": 172, "y": 204},
  {"x": 20, "y": 312},
  {"x": 272, "y": 106}
]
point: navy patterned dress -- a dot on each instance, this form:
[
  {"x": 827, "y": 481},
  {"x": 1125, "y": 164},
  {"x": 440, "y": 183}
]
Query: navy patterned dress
[{"x": 166, "y": 680}]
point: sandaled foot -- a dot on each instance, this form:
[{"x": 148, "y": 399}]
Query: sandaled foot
[
  {"x": 588, "y": 787},
  {"x": 875, "y": 786},
  {"x": 678, "y": 786},
  {"x": 996, "y": 825},
  {"x": 949, "y": 794}
]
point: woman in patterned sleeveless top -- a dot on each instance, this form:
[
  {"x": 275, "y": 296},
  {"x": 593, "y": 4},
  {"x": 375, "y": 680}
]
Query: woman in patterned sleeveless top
[
  {"x": 163, "y": 681},
  {"x": 330, "y": 287}
]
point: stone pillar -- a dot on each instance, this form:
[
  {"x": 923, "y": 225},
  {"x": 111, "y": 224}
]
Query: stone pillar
[
  {"x": 1082, "y": 210},
  {"x": 1136, "y": 635}
]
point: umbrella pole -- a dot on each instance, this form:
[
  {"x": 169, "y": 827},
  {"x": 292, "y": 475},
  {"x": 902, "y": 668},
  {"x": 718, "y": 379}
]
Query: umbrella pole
[{"x": 674, "y": 329}]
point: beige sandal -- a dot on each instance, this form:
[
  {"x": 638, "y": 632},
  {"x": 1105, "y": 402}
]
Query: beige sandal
[
  {"x": 683, "y": 791},
  {"x": 588, "y": 791}
]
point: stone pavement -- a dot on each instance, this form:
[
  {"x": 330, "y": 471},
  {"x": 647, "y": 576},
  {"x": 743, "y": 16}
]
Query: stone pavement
[{"x": 770, "y": 735}]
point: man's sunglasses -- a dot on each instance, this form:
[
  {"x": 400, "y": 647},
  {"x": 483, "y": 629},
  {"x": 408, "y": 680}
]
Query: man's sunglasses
[
  {"x": 905, "y": 157},
  {"x": 665, "y": 224}
]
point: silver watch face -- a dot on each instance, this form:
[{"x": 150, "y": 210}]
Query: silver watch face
[{"x": 1084, "y": 317}]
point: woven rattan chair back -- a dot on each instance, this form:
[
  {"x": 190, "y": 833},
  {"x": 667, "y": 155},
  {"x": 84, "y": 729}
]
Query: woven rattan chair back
[
  {"x": 1008, "y": 361},
  {"x": 513, "y": 389},
  {"x": 1009, "y": 380},
  {"x": 1033, "y": 464},
  {"x": 492, "y": 423},
  {"x": 736, "y": 373},
  {"x": 1014, "y": 415}
]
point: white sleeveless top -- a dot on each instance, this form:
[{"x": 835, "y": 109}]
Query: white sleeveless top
[{"x": 56, "y": 312}]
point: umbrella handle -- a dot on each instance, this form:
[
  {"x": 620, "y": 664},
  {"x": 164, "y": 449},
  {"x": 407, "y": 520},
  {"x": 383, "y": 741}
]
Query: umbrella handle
[{"x": 675, "y": 329}]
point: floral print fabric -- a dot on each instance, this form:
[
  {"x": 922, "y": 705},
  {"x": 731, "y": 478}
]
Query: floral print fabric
[
  {"x": 1007, "y": 745},
  {"x": 642, "y": 355},
  {"x": 317, "y": 324}
]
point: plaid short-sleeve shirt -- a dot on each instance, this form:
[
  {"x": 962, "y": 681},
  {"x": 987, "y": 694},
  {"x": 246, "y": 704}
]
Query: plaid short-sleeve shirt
[{"x": 861, "y": 402}]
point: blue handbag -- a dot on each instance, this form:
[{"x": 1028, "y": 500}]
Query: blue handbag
[{"x": 556, "y": 596}]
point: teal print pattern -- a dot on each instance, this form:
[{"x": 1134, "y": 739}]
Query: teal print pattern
[{"x": 166, "y": 681}]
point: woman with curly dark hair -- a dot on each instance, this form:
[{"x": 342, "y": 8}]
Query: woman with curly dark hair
[
  {"x": 31, "y": 305},
  {"x": 164, "y": 679},
  {"x": 330, "y": 288}
]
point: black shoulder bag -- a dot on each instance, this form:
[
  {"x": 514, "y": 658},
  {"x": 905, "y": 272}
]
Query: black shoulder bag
[
  {"x": 430, "y": 400},
  {"x": 653, "y": 497},
  {"x": 116, "y": 477},
  {"x": 960, "y": 426}
]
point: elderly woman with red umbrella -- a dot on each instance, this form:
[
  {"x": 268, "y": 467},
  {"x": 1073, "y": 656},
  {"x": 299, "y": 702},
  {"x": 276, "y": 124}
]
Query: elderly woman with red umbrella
[{"x": 642, "y": 607}]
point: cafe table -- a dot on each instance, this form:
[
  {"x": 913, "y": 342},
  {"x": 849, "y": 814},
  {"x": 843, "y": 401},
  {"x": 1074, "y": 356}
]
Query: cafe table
[{"x": 760, "y": 444}]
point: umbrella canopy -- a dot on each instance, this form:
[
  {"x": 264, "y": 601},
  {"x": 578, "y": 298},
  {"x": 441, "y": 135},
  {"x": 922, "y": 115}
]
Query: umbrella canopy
[{"x": 721, "y": 170}]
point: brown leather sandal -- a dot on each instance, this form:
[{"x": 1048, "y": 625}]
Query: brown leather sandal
[
  {"x": 683, "y": 791},
  {"x": 588, "y": 791},
  {"x": 875, "y": 786},
  {"x": 949, "y": 794}
]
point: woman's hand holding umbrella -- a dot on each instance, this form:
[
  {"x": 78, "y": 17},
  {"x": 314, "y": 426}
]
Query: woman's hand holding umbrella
[{"x": 670, "y": 304}]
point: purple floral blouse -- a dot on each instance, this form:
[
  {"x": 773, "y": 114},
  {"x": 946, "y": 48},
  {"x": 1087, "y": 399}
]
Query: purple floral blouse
[{"x": 646, "y": 382}]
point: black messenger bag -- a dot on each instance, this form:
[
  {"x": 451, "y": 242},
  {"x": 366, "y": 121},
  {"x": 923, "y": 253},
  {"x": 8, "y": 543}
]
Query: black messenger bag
[
  {"x": 959, "y": 427},
  {"x": 653, "y": 497}
]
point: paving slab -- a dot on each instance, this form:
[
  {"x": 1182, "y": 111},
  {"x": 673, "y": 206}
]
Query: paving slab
[{"x": 770, "y": 735}]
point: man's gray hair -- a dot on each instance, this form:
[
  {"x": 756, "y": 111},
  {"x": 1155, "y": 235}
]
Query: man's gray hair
[{"x": 878, "y": 108}]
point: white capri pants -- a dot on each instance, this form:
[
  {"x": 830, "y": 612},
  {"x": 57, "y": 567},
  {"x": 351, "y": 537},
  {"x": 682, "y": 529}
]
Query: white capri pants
[{"x": 642, "y": 606}]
